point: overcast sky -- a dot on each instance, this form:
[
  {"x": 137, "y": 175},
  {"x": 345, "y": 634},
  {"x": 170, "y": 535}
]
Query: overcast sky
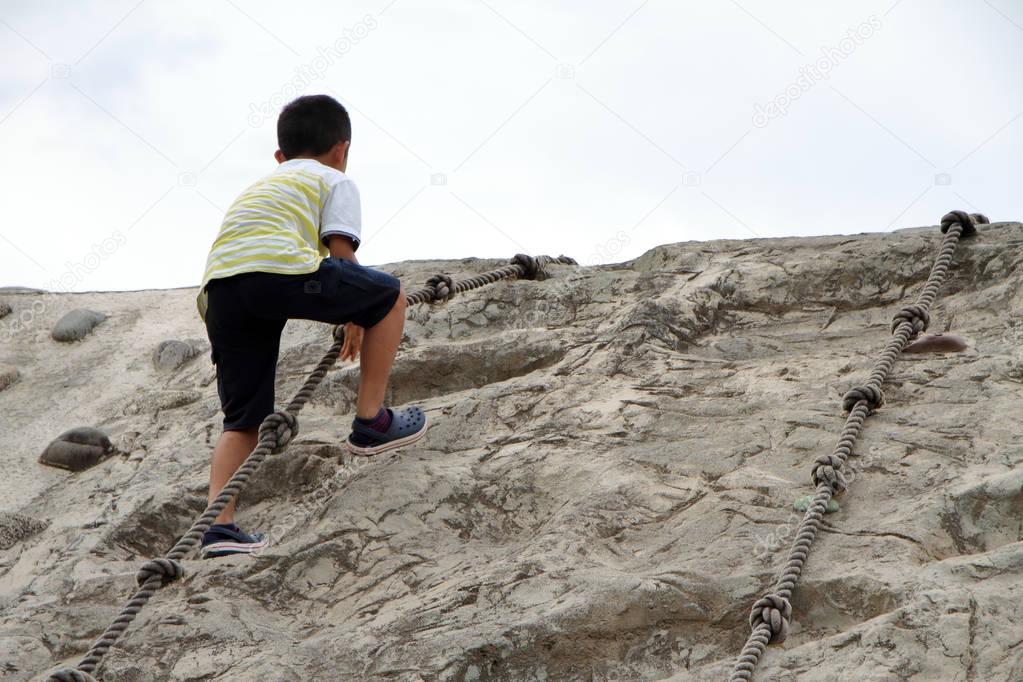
[{"x": 489, "y": 127}]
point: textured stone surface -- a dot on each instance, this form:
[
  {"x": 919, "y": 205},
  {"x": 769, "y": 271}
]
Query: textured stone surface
[
  {"x": 606, "y": 488},
  {"x": 8, "y": 375},
  {"x": 16, "y": 527},
  {"x": 76, "y": 325},
  {"x": 5, "y": 309},
  {"x": 172, "y": 353}
]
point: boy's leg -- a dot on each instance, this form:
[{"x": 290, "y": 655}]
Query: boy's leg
[
  {"x": 375, "y": 429},
  {"x": 338, "y": 292},
  {"x": 231, "y": 450},
  {"x": 379, "y": 346},
  {"x": 245, "y": 346}
]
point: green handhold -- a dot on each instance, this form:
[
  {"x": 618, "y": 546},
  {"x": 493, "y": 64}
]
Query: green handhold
[{"x": 803, "y": 503}]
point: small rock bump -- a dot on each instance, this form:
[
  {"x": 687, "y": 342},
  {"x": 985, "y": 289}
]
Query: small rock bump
[
  {"x": 16, "y": 527},
  {"x": 172, "y": 353},
  {"x": 937, "y": 343},
  {"x": 8, "y": 375},
  {"x": 77, "y": 449},
  {"x": 75, "y": 325},
  {"x": 803, "y": 503},
  {"x": 5, "y": 309}
]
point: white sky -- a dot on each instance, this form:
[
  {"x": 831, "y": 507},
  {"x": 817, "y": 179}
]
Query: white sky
[{"x": 592, "y": 128}]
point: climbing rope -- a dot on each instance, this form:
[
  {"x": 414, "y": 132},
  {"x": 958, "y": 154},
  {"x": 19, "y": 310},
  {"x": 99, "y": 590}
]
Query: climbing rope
[
  {"x": 769, "y": 619},
  {"x": 275, "y": 433},
  {"x": 442, "y": 288}
]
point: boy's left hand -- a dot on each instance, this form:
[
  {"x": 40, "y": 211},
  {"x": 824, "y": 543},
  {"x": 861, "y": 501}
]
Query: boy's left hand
[{"x": 353, "y": 341}]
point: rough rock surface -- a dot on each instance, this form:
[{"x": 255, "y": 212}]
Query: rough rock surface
[
  {"x": 16, "y": 527},
  {"x": 606, "y": 489},
  {"x": 75, "y": 325},
  {"x": 172, "y": 353},
  {"x": 5, "y": 309},
  {"x": 8, "y": 375}
]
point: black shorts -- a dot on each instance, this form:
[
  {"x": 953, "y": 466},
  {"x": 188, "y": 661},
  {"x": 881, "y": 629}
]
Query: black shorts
[{"x": 247, "y": 313}]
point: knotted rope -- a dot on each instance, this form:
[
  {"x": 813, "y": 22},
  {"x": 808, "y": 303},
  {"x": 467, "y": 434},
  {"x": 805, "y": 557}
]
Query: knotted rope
[
  {"x": 442, "y": 288},
  {"x": 276, "y": 431},
  {"x": 769, "y": 619}
]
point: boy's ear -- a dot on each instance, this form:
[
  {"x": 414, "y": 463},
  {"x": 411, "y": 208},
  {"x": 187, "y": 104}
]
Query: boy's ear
[
  {"x": 279, "y": 155},
  {"x": 341, "y": 153}
]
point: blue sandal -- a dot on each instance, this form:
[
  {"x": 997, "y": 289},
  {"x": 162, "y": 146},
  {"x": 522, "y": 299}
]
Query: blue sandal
[
  {"x": 408, "y": 424},
  {"x": 223, "y": 539}
]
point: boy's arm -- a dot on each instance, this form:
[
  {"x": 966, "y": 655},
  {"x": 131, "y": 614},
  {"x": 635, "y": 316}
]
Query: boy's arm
[
  {"x": 341, "y": 220},
  {"x": 341, "y": 246}
]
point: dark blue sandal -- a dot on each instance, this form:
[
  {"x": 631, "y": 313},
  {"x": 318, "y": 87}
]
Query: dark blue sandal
[
  {"x": 224, "y": 539},
  {"x": 408, "y": 424}
]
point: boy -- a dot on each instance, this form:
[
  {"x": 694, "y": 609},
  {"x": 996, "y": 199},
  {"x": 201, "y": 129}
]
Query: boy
[{"x": 286, "y": 250}]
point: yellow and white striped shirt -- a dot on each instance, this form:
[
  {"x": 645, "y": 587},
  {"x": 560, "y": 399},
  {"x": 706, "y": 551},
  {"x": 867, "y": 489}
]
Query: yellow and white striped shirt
[{"x": 281, "y": 223}]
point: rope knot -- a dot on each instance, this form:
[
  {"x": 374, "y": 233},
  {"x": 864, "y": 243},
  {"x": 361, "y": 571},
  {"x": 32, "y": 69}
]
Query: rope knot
[
  {"x": 965, "y": 220},
  {"x": 828, "y": 469},
  {"x": 279, "y": 428},
  {"x": 916, "y": 315},
  {"x": 532, "y": 267},
  {"x": 442, "y": 287},
  {"x": 869, "y": 392},
  {"x": 774, "y": 611},
  {"x": 169, "y": 569}
]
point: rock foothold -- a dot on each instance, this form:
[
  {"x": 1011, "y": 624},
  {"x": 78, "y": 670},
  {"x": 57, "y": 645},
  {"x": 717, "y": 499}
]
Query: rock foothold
[
  {"x": 803, "y": 503},
  {"x": 937, "y": 343},
  {"x": 77, "y": 449},
  {"x": 5, "y": 309},
  {"x": 172, "y": 353},
  {"x": 8, "y": 375},
  {"x": 16, "y": 527},
  {"x": 76, "y": 325}
]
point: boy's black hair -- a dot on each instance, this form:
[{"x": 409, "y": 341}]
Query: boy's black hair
[{"x": 311, "y": 125}]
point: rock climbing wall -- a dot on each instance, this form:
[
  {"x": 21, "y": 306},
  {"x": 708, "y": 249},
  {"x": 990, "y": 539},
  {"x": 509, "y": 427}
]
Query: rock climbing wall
[{"x": 606, "y": 488}]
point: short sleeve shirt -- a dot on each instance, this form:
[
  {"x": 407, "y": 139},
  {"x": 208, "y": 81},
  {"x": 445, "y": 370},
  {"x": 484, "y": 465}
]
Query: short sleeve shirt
[{"x": 281, "y": 223}]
